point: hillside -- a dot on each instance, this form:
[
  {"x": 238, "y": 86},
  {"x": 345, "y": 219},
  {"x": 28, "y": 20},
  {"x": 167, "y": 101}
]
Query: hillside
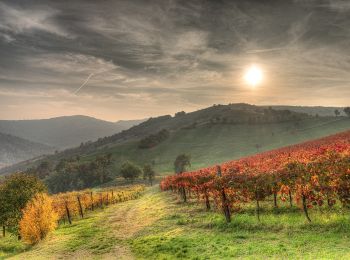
[
  {"x": 312, "y": 110},
  {"x": 64, "y": 132},
  {"x": 14, "y": 149},
  {"x": 210, "y": 136}
]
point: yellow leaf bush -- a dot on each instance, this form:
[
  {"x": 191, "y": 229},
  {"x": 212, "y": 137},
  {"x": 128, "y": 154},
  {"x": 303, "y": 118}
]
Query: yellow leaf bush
[{"x": 39, "y": 219}]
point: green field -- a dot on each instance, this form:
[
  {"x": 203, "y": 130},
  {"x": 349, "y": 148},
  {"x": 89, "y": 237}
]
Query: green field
[
  {"x": 213, "y": 144},
  {"x": 158, "y": 226}
]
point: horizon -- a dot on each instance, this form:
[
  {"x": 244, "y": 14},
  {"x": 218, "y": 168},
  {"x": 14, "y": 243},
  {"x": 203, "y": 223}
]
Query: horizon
[
  {"x": 172, "y": 114},
  {"x": 118, "y": 60}
]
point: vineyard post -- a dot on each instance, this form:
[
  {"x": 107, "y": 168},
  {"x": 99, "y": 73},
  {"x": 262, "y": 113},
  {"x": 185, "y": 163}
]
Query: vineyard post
[
  {"x": 183, "y": 193},
  {"x": 257, "y": 205},
  {"x": 290, "y": 198},
  {"x": 107, "y": 199},
  {"x": 275, "y": 199},
  {"x": 3, "y": 230},
  {"x": 225, "y": 206},
  {"x": 207, "y": 202},
  {"x": 68, "y": 213},
  {"x": 92, "y": 201},
  {"x": 80, "y": 208},
  {"x": 112, "y": 198},
  {"x": 305, "y": 208},
  {"x": 101, "y": 200}
]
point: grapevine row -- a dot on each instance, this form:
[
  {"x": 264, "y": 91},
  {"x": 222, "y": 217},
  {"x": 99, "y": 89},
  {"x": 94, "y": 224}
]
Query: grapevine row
[
  {"x": 312, "y": 174},
  {"x": 76, "y": 203}
]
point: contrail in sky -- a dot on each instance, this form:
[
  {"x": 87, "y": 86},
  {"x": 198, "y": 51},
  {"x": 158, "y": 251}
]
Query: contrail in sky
[
  {"x": 266, "y": 50},
  {"x": 85, "y": 82}
]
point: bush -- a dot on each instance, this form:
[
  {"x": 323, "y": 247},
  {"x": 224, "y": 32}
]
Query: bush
[{"x": 39, "y": 219}]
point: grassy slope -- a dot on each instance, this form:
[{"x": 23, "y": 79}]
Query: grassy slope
[
  {"x": 209, "y": 145},
  {"x": 157, "y": 226}
]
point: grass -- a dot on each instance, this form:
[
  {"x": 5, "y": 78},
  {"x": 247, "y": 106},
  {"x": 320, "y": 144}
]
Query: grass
[
  {"x": 88, "y": 236},
  {"x": 159, "y": 226},
  {"x": 214, "y": 144},
  {"x": 189, "y": 232},
  {"x": 10, "y": 246}
]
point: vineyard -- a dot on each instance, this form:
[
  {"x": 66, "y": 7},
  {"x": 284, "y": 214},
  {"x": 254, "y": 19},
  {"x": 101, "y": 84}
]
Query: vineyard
[
  {"x": 43, "y": 213},
  {"x": 76, "y": 203},
  {"x": 311, "y": 174}
]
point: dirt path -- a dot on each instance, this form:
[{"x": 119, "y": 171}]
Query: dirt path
[
  {"x": 123, "y": 222},
  {"x": 132, "y": 217}
]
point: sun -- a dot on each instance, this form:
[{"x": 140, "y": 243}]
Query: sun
[{"x": 253, "y": 76}]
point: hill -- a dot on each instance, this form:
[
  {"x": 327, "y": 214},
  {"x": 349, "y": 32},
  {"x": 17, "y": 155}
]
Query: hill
[
  {"x": 64, "y": 132},
  {"x": 14, "y": 149},
  {"x": 211, "y": 135}
]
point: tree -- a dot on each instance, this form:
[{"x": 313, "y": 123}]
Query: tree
[
  {"x": 347, "y": 111},
  {"x": 15, "y": 192},
  {"x": 148, "y": 173},
  {"x": 39, "y": 218},
  {"x": 130, "y": 171},
  {"x": 336, "y": 112},
  {"x": 103, "y": 163},
  {"x": 181, "y": 163}
]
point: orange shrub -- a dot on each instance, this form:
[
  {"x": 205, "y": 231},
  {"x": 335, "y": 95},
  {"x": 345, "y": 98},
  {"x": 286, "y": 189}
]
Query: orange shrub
[{"x": 39, "y": 218}]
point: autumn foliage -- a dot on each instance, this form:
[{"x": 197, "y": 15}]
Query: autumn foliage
[
  {"x": 39, "y": 218},
  {"x": 43, "y": 213},
  {"x": 312, "y": 174},
  {"x": 74, "y": 204}
]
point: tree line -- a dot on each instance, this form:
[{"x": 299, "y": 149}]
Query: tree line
[{"x": 76, "y": 174}]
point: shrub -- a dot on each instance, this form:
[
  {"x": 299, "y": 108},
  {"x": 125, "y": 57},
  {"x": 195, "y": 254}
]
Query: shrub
[{"x": 39, "y": 219}]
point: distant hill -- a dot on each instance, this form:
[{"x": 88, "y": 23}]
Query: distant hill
[
  {"x": 14, "y": 149},
  {"x": 211, "y": 135},
  {"x": 64, "y": 132}
]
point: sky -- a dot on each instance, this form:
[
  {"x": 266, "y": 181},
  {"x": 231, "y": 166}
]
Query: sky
[{"x": 133, "y": 59}]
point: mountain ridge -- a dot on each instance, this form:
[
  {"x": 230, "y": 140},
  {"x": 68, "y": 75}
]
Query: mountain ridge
[{"x": 246, "y": 128}]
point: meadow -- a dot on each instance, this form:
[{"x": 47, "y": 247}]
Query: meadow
[{"x": 159, "y": 226}]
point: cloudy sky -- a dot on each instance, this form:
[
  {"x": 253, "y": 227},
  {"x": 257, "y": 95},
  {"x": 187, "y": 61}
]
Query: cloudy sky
[{"x": 133, "y": 59}]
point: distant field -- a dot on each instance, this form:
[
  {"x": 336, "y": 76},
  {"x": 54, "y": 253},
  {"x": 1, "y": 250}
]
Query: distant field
[
  {"x": 158, "y": 226},
  {"x": 213, "y": 144}
]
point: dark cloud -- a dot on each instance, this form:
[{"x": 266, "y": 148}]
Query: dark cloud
[{"x": 153, "y": 57}]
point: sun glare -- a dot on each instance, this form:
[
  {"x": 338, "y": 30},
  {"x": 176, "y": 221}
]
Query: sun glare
[{"x": 253, "y": 76}]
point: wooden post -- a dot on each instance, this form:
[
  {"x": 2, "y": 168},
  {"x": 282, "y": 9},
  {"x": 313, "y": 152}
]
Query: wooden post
[
  {"x": 257, "y": 205},
  {"x": 184, "y": 197},
  {"x": 275, "y": 199},
  {"x": 112, "y": 197},
  {"x": 207, "y": 202},
  {"x": 101, "y": 200},
  {"x": 290, "y": 198},
  {"x": 107, "y": 199},
  {"x": 68, "y": 213},
  {"x": 224, "y": 201},
  {"x": 305, "y": 208},
  {"x": 92, "y": 201},
  {"x": 3, "y": 230},
  {"x": 80, "y": 208}
]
